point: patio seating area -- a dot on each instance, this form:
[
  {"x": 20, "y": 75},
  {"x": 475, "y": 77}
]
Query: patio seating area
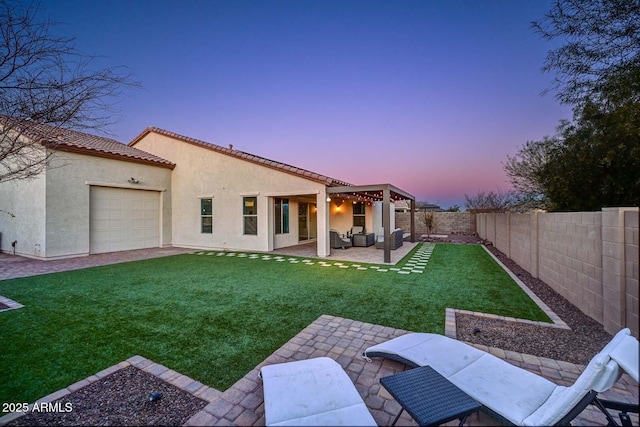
[{"x": 344, "y": 340}]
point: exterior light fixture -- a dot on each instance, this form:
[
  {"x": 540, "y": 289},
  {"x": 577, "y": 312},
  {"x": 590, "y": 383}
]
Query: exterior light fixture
[
  {"x": 328, "y": 199},
  {"x": 132, "y": 180}
]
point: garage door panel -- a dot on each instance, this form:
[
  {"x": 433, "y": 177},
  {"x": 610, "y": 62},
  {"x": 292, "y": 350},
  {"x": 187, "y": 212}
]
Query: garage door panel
[{"x": 123, "y": 219}]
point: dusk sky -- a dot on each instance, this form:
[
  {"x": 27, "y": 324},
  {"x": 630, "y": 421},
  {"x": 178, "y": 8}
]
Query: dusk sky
[{"x": 430, "y": 96}]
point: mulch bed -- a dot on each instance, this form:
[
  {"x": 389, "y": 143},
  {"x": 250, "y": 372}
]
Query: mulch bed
[{"x": 120, "y": 399}]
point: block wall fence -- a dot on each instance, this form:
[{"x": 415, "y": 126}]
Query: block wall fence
[
  {"x": 444, "y": 222},
  {"x": 590, "y": 258}
]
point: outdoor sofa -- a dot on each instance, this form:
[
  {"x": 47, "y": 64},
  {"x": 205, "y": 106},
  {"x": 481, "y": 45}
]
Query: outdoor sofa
[{"x": 509, "y": 393}]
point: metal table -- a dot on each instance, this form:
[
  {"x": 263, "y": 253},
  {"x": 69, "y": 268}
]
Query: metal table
[{"x": 429, "y": 397}]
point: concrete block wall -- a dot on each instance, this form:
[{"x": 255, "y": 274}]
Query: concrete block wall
[
  {"x": 520, "y": 231},
  {"x": 632, "y": 266},
  {"x": 570, "y": 258},
  {"x": 444, "y": 222},
  {"x": 590, "y": 258}
]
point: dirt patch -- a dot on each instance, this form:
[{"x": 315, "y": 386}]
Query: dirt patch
[{"x": 120, "y": 399}]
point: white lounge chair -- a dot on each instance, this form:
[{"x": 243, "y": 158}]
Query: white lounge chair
[
  {"x": 507, "y": 392},
  {"x": 312, "y": 392}
]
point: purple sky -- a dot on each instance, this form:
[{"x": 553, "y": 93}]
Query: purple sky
[{"x": 430, "y": 96}]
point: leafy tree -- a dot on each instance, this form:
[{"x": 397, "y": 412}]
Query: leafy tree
[
  {"x": 598, "y": 163},
  {"x": 44, "y": 79},
  {"x": 600, "y": 58},
  {"x": 594, "y": 161},
  {"x": 525, "y": 169}
]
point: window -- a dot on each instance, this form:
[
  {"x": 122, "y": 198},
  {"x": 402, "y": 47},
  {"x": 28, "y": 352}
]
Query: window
[
  {"x": 250, "y": 215},
  {"x": 282, "y": 215},
  {"x": 206, "y": 216},
  {"x": 358, "y": 214}
]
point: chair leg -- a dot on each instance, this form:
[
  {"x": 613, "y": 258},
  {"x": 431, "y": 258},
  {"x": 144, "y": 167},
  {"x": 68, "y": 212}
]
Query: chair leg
[{"x": 397, "y": 416}]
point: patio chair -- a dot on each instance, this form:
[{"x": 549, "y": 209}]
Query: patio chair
[
  {"x": 396, "y": 239},
  {"x": 356, "y": 229},
  {"x": 312, "y": 392},
  {"x": 508, "y": 393},
  {"x": 337, "y": 241}
]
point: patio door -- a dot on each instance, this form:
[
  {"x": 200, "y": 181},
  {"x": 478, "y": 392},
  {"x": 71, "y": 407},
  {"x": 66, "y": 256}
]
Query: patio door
[{"x": 306, "y": 221}]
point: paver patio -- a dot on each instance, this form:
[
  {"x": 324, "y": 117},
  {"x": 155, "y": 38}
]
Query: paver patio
[{"x": 344, "y": 340}]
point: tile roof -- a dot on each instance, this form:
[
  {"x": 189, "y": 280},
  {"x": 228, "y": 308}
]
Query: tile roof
[
  {"x": 283, "y": 167},
  {"x": 62, "y": 139}
]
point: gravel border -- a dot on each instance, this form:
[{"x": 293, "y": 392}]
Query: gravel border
[
  {"x": 119, "y": 399},
  {"x": 577, "y": 345}
]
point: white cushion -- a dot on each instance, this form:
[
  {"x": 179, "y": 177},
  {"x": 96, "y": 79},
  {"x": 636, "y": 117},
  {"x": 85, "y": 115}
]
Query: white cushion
[
  {"x": 599, "y": 369},
  {"x": 512, "y": 392},
  {"x": 312, "y": 392},
  {"x": 431, "y": 349},
  {"x": 520, "y": 396},
  {"x": 627, "y": 355}
]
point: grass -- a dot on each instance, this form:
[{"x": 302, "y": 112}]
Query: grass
[{"x": 215, "y": 318}]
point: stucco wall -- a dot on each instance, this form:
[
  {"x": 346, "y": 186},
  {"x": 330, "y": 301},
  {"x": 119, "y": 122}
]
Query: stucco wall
[
  {"x": 590, "y": 258},
  {"x": 67, "y": 197},
  {"x": 23, "y": 216},
  {"x": 341, "y": 217},
  {"x": 201, "y": 173}
]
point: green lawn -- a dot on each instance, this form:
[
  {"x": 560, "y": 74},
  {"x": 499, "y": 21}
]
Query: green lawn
[{"x": 215, "y": 318}]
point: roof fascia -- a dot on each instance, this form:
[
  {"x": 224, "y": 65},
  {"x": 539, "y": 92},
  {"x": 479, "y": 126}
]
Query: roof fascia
[{"x": 79, "y": 150}]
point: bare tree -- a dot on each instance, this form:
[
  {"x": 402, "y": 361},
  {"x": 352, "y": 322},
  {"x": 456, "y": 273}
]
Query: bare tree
[
  {"x": 429, "y": 220},
  {"x": 44, "y": 79},
  {"x": 500, "y": 201}
]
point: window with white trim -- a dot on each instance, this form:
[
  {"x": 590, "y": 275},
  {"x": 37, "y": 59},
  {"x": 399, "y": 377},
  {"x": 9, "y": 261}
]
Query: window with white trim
[
  {"x": 250, "y": 215},
  {"x": 206, "y": 216}
]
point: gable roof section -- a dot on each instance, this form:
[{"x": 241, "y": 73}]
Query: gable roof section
[
  {"x": 68, "y": 140},
  {"x": 283, "y": 167}
]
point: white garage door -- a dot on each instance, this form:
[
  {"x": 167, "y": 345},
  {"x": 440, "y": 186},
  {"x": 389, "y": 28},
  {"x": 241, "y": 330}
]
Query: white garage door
[{"x": 122, "y": 219}]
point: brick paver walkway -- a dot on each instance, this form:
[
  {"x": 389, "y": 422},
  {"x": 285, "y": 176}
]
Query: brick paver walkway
[{"x": 12, "y": 266}]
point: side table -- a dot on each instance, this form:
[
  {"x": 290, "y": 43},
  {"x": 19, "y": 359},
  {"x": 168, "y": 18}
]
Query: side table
[
  {"x": 429, "y": 397},
  {"x": 364, "y": 239}
]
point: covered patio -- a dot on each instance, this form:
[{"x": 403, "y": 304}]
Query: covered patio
[{"x": 385, "y": 193}]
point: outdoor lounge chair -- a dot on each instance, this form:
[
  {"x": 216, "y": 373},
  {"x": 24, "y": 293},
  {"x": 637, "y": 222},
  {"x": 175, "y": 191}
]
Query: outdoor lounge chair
[
  {"x": 396, "y": 239},
  {"x": 513, "y": 394},
  {"x": 337, "y": 241},
  {"x": 312, "y": 392},
  {"x": 356, "y": 229}
]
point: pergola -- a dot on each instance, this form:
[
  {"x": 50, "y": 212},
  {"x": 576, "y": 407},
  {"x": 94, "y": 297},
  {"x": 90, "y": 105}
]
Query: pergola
[{"x": 386, "y": 193}]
